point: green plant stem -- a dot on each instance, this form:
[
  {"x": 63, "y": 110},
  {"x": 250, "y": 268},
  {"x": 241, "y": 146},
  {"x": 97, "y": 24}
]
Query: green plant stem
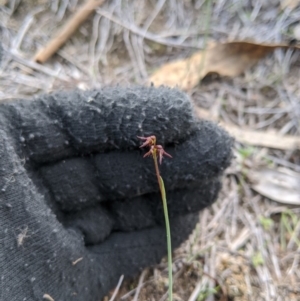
[
  {"x": 168, "y": 232},
  {"x": 168, "y": 240}
]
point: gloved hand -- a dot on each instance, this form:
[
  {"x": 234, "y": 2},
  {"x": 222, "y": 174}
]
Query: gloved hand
[{"x": 79, "y": 206}]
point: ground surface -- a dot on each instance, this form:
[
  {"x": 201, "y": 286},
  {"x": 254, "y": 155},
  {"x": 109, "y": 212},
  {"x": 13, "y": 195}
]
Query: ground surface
[{"x": 246, "y": 247}]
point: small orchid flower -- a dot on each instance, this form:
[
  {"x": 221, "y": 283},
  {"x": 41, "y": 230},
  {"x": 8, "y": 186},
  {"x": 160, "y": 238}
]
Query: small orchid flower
[
  {"x": 151, "y": 140},
  {"x": 161, "y": 153},
  {"x": 150, "y": 152},
  {"x": 154, "y": 149}
]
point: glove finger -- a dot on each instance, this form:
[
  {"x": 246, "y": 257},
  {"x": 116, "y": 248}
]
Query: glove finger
[
  {"x": 93, "y": 224},
  {"x": 145, "y": 211},
  {"x": 78, "y": 183},
  {"x": 96, "y": 223},
  {"x": 65, "y": 124}
]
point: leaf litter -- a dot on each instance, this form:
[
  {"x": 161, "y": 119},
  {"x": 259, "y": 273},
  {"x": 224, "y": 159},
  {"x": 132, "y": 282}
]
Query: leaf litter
[
  {"x": 246, "y": 246},
  {"x": 226, "y": 59}
]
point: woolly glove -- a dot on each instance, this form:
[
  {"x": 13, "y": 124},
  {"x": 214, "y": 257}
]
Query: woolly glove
[{"x": 79, "y": 206}]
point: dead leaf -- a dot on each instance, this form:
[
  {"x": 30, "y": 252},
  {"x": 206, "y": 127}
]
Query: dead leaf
[
  {"x": 228, "y": 59},
  {"x": 256, "y": 138},
  {"x": 280, "y": 185},
  {"x": 291, "y": 4}
]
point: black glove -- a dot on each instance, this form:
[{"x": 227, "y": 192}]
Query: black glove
[{"x": 79, "y": 206}]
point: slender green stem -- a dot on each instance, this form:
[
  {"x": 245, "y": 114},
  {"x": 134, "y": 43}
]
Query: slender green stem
[
  {"x": 168, "y": 232},
  {"x": 157, "y": 173},
  {"x": 168, "y": 240}
]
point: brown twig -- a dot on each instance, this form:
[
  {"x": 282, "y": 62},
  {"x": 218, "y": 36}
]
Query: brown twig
[{"x": 67, "y": 31}]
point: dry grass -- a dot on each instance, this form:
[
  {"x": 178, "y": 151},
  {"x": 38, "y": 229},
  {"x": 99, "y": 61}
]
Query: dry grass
[{"x": 245, "y": 247}]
